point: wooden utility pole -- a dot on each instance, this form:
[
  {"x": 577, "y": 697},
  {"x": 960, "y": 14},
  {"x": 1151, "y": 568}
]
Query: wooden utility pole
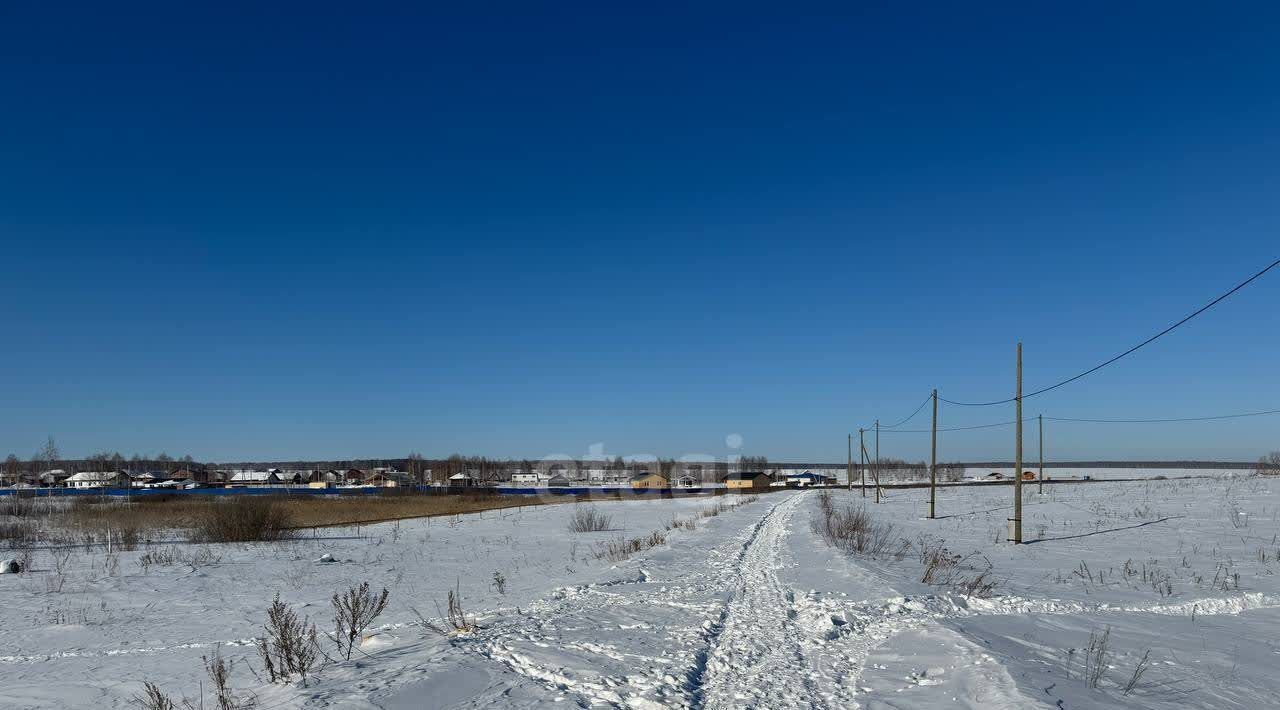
[
  {"x": 1017, "y": 465},
  {"x": 1040, "y": 418},
  {"x": 875, "y": 472},
  {"x": 933, "y": 462},
  {"x": 862, "y": 461},
  {"x": 848, "y": 472}
]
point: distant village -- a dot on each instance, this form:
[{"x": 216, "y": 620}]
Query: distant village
[
  {"x": 48, "y": 470},
  {"x": 552, "y": 475}
]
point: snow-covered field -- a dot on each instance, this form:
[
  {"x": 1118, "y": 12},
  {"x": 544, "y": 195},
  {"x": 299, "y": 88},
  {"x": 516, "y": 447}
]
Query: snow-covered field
[{"x": 750, "y": 608}]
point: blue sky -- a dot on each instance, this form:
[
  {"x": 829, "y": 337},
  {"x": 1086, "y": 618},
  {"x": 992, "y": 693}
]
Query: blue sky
[{"x": 324, "y": 230}]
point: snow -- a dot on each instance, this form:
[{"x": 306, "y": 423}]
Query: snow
[{"x": 750, "y": 608}]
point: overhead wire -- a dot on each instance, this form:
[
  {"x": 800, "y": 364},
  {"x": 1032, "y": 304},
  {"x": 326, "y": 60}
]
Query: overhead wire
[
  {"x": 1148, "y": 341},
  {"x": 958, "y": 428},
  {"x": 909, "y": 417},
  {"x": 1159, "y": 421}
]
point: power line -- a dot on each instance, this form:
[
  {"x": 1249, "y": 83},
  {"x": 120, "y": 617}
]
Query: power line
[
  {"x": 1148, "y": 341},
  {"x": 909, "y": 418},
  {"x": 1091, "y": 421},
  {"x": 957, "y": 428},
  {"x": 1157, "y": 421}
]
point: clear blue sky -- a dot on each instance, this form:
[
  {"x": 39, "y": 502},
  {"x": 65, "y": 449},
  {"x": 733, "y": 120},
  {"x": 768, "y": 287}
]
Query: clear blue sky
[{"x": 339, "y": 230}]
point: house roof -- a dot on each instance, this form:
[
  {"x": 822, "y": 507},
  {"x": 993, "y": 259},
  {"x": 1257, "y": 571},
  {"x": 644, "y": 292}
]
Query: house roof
[
  {"x": 645, "y": 474},
  {"x": 460, "y": 476},
  {"x": 95, "y": 476},
  {"x": 745, "y": 476},
  {"x": 809, "y": 474},
  {"x": 251, "y": 476}
]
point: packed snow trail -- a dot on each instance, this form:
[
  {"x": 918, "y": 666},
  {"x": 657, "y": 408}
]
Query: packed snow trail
[
  {"x": 757, "y": 657},
  {"x": 693, "y": 639}
]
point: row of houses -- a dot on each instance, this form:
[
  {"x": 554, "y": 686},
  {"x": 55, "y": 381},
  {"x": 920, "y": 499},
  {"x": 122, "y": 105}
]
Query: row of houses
[
  {"x": 389, "y": 478},
  {"x": 184, "y": 478},
  {"x": 737, "y": 480}
]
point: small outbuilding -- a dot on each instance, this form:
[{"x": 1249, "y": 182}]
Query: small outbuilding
[{"x": 462, "y": 479}]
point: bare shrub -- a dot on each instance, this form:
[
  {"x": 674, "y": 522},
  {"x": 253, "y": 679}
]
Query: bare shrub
[
  {"x": 353, "y": 611},
  {"x": 981, "y": 585},
  {"x": 1096, "y": 657},
  {"x": 499, "y": 582},
  {"x": 289, "y": 647},
  {"x": 589, "y": 519},
  {"x": 243, "y": 519},
  {"x": 943, "y": 568},
  {"x": 152, "y": 698},
  {"x": 219, "y": 671},
  {"x": 1138, "y": 671},
  {"x": 939, "y": 563},
  {"x": 825, "y": 503}
]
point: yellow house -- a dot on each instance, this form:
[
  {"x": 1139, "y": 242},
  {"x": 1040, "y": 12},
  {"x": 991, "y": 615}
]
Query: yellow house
[
  {"x": 747, "y": 479},
  {"x": 648, "y": 479}
]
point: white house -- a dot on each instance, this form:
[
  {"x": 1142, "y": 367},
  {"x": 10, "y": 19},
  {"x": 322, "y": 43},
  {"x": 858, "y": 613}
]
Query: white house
[
  {"x": 810, "y": 478},
  {"x": 96, "y": 479},
  {"x": 533, "y": 478}
]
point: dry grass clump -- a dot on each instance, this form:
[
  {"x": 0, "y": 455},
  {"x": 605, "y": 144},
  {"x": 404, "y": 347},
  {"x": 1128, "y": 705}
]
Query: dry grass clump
[
  {"x": 21, "y": 504},
  {"x": 18, "y": 534},
  {"x": 453, "y": 621},
  {"x": 243, "y": 519},
  {"x": 622, "y": 548},
  {"x": 854, "y": 531},
  {"x": 589, "y": 519},
  {"x": 323, "y": 511}
]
